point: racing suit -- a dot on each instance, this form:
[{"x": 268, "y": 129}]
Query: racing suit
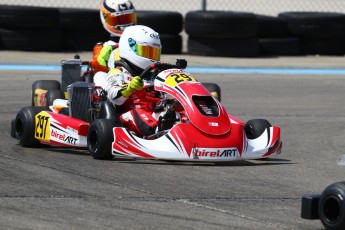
[{"x": 138, "y": 108}]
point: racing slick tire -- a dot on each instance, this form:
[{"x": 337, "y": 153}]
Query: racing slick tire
[
  {"x": 25, "y": 126},
  {"x": 44, "y": 84},
  {"x": 51, "y": 95},
  {"x": 100, "y": 138},
  {"x": 214, "y": 89},
  {"x": 332, "y": 206},
  {"x": 254, "y": 128}
]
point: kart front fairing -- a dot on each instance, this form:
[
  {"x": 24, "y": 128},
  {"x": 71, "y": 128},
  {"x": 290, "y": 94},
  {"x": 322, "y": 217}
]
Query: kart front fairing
[{"x": 209, "y": 134}]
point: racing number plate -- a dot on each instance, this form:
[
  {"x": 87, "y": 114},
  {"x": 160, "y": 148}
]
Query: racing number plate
[
  {"x": 176, "y": 78},
  {"x": 42, "y": 126}
]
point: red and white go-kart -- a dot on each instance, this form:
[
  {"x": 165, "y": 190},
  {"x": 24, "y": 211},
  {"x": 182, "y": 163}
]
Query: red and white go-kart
[{"x": 203, "y": 129}]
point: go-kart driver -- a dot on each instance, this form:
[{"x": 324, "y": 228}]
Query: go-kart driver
[
  {"x": 115, "y": 15},
  {"x": 139, "y": 47}
]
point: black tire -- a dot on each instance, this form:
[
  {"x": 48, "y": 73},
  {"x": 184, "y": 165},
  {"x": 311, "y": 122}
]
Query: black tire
[
  {"x": 164, "y": 22},
  {"x": 44, "y": 84},
  {"x": 224, "y": 47},
  {"x": 83, "y": 40},
  {"x": 171, "y": 44},
  {"x": 100, "y": 138},
  {"x": 214, "y": 89},
  {"x": 51, "y": 95},
  {"x": 80, "y": 19},
  {"x": 32, "y": 40},
  {"x": 280, "y": 46},
  {"x": 25, "y": 126},
  {"x": 272, "y": 27},
  {"x": 220, "y": 24},
  {"x": 315, "y": 24},
  {"x": 323, "y": 46},
  {"x": 332, "y": 206},
  {"x": 254, "y": 128},
  {"x": 28, "y": 17}
]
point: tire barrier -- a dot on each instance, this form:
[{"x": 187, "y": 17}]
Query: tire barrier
[
  {"x": 222, "y": 33},
  {"x": 28, "y": 28},
  {"x": 32, "y": 40},
  {"x": 320, "y": 32},
  {"x": 224, "y": 47},
  {"x": 220, "y": 24},
  {"x": 168, "y": 24},
  {"x": 279, "y": 46},
  {"x": 275, "y": 38},
  {"x": 82, "y": 28},
  {"x": 212, "y": 33}
]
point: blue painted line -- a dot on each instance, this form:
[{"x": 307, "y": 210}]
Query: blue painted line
[
  {"x": 212, "y": 70},
  {"x": 23, "y": 67},
  {"x": 260, "y": 70}
]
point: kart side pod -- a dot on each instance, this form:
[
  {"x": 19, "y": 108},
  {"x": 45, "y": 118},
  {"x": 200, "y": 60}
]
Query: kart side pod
[{"x": 329, "y": 207}]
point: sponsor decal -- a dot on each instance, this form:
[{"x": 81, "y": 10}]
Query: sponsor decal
[
  {"x": 42, "y": 126},
  {"x": 215, "y": 153},
  {"x": 63, "y": 137},
  {"x": 173, "y": 71},
  {"x": 176, "y": 78},
  {"x": 215, "y": 124},
  {"x": 71, "y": 129},
  {"x": 123, "y": 144}
]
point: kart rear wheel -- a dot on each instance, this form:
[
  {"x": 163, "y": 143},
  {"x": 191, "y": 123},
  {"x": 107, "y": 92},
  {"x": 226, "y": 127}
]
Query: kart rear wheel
[
  {"x": 214, "y": 89},
  {"x": 25, "y": 126},
  {"x": 332, "y": 206},
  {"x": 44, "y": 84},
  {"x": 100, "y": 138},
  {"x": 51, "y": 95},
  {"x": 254, "y": 128}
]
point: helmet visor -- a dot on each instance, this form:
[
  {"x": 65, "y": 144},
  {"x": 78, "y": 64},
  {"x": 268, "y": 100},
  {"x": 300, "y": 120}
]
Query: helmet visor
[
  {"x": 121, "y": 19},
  {"x": 145, "y": 50}
]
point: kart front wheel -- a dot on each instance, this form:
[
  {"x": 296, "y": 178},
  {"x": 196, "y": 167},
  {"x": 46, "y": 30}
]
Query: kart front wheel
[
  {"x": 24, "y": 126},
  {"x": 332, "y": 206},
  {"x": 100, "y": 138},
  {"x": 254, "y": 128}
]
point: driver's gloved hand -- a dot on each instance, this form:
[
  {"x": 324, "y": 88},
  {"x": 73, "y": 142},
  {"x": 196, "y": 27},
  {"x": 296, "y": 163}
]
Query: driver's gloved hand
[{"x": 135, "y": 84}]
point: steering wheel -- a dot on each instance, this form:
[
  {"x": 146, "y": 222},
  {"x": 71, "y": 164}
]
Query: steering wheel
[{"x": 160, "y": 66}]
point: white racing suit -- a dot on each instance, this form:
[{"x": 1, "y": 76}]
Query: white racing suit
[{"x": 138, "y": 109}]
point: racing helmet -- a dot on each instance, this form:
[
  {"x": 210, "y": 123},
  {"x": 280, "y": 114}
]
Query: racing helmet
[
  {"x": 140, "y": 45},
  {"x": 116, "y": 15}
]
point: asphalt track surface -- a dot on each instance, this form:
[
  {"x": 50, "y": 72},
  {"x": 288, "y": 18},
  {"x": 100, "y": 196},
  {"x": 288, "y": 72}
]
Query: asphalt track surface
[{"x": 55, "y": 188}]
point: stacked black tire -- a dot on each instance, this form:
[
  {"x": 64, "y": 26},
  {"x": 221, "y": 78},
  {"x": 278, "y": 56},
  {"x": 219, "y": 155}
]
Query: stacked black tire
[
  {"x": 275, "y": 38},
  {"x": 168, "y": 24},
  {"x": 28, "y": 28},
  {"x": 319, "y": 32},
  {"x": 241, "y": 34},
  {"x": 222, "y": 33},
  {"x": 81, "y": 28}
]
